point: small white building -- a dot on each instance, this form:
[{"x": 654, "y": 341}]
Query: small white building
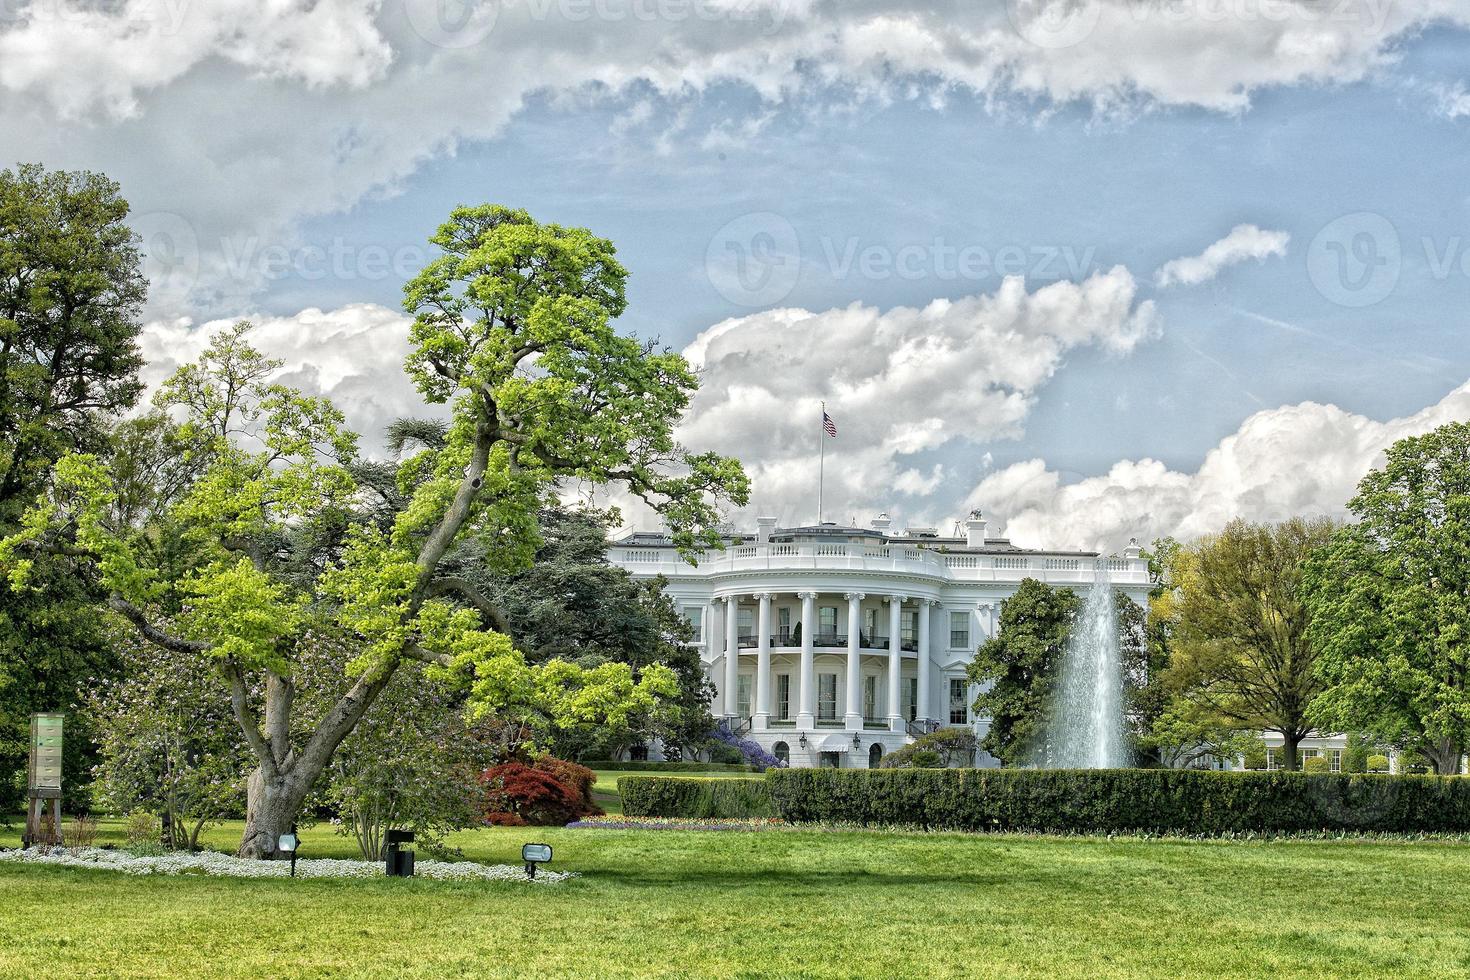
[{"x": 832, "y": 645}]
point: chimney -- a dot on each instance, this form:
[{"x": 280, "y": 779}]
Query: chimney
[
  {"x": 975, "y": 530},
  {"x": 764, "y": 526},
  {"x": 881, "y": 522}
]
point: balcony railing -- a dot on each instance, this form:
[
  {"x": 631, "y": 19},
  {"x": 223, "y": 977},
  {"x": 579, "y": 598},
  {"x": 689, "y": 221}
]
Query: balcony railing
[
  {"x": 790, "y": 638},
  {"x": 906, "y": 559}
]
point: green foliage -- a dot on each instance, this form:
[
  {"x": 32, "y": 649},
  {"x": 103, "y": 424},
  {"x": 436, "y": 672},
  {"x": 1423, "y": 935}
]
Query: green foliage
[
  {"x": 616, "y": 766},
  {"x": 1355, "y": 755},
  {"x": 682, "y": 796},
  {"x": 168, "y": 744},
  {"x": 1022, "y": 662},
  {"x": 946, "y": 747},
  {"x": 71, "y": 290},
  {"x": 1316, "y": 764},
  {"x": 1243, "y": 658},
  {"x": 1378, "y": 763},
  {"x": 1390, "y": 602},
  {"x": 1254, "y": 757},
  {"x": 1193, "y": 802}
]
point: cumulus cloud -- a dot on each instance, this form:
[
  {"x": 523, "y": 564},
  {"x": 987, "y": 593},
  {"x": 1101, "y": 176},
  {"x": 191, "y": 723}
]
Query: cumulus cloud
[
  {"x": 900, "y": 384},
  {"x": 242, "y": 119},
  {"x": 353, "y": 355},
  {"x": 1303, "y": 459},
  {"x": 1244, "y": 242}
]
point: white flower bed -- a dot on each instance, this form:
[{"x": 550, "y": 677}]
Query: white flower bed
[{"x": 225, "y": 865}]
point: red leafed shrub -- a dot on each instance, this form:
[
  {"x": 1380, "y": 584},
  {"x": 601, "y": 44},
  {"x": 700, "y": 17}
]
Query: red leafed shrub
[
  {"x": 542, "y": 795},
  {"x": 576, "y": 777}
]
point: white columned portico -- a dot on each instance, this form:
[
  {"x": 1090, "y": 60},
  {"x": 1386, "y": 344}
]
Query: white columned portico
[
  {"x": 807, "y": 714},
  {"x": 895, "y": 660},
  {"x": 763, "y": 663},
  {"x": 732, "y": 656},
  {"x": 854, "y": 719},
  {"x": 921, "y": 705}
]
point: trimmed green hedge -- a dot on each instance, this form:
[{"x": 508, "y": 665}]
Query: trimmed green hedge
[
  {"x": 1090, "y": 801},
  {"x": 675, "y": 796},
  {"x": 616, "y": 766}
]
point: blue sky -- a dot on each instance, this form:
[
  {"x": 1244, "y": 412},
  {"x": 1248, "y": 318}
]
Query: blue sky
[{"x": 1073, "y": 175}]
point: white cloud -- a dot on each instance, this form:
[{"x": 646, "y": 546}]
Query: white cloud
[
  {"x": 244, "y": 118},
  {"x": 899, "y": 384},
  {"x": 1244, "y": 242},
  {"x": 1303, "y": 459},
  {"x": 353, "y": 355}
]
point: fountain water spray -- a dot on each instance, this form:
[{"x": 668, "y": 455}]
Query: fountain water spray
[{"x": 1085, "y": 730}]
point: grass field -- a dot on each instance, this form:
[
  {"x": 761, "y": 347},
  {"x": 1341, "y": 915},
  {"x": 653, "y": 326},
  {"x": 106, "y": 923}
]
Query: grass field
[{"x": 775, "y": 903}]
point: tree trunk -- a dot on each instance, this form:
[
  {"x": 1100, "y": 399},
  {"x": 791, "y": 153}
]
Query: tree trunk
[
  {"x": 1445, "y": 755},
  {"x": 1290, "y": 741},
  {"x": 271, "y": 808}
]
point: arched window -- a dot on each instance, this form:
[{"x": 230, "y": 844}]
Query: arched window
[
  {"x": 874, "y": 754},
  {"x": 782, "y": 751}
]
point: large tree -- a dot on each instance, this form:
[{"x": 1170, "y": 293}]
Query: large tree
[
  {"x": 71, "y": 291},
  {"x": 1242, "y": 651},
  {"x": 513, "y": 328},
  {"x": 1390, "y": 602},
  {"x": 1019, "y": 668}
]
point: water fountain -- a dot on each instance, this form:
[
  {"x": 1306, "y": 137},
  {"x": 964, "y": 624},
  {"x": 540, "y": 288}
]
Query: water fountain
[{"x": 1085, "y": 730}]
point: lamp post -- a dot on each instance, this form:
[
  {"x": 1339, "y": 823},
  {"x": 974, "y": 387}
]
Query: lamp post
[
  {"x": 289, "y": 843},
  {"x": 534, "y": 854}
]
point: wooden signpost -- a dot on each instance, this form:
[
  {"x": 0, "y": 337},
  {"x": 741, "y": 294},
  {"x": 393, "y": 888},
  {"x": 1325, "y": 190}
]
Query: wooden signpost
[{"x": 44, "y": 783}]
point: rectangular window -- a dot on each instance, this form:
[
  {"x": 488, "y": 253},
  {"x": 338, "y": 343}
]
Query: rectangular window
[
  {"x": 694, "y": 616},
  {"x": 745, "y": 622},
  {"x": 1270, "y": 758},
  {"x": 783, "y": 626},
  {"x": 870, "y": 625},
  {"x": 827, "y": 620},
  {"x": 783, "y": 697},
  {"x": 742, "y": 696},
  {"x": 1336, "y": 760},
  {"x": 911, "y": 698},
  {"x": 909, "y": 626},
  {"x": 959, "y": 630},
  {"x": 826, "y": 697},
  {"x": 959, "y": 701},
  {"x": 870, "y": 697}
]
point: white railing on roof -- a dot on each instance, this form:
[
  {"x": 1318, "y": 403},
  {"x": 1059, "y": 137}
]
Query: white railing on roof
[{"x": 903, "y": 559}]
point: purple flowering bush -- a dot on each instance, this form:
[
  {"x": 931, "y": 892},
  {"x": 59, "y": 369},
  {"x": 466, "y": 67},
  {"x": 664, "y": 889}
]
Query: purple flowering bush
[{"x": 753, "y": 753}]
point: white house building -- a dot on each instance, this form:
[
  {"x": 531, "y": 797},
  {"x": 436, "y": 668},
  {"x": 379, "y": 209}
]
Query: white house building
[{"x": 832, "y": 645}]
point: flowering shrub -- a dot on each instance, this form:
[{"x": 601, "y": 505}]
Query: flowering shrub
[
  {"x": 752, "y": 752},
  {"x": 551, "y": 793},
  {"x": 215, "y": 864}
]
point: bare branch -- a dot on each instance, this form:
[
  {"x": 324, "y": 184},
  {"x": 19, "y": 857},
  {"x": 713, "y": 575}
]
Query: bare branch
[
  {"x": 463, "y": 589},
  {"x": 152, "y": 633}
]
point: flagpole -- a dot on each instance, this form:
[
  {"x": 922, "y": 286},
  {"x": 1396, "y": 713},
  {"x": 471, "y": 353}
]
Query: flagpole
[{"x": 821, "y": 459}]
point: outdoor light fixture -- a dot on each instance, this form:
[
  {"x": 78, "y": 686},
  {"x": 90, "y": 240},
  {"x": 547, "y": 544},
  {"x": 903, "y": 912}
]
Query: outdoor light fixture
[
  {"x": 397, "y": 862},
  {"x": 857, "y": 742},
  {"x": 802, "y": 740},
  {"x": 288, "y": 843},
  {"x": 534, "y": 854}
]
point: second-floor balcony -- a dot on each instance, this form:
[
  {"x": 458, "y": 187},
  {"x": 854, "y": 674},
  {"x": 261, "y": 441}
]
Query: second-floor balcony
[{"x": 827, "y": 640}]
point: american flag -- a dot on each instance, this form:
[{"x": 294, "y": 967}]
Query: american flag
[{"x": 828, "y": 425}]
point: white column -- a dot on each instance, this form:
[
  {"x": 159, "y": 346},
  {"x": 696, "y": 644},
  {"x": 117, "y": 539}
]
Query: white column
[
  {"x": 763, "y": 662},
  {"x": 854, "y": 719},
  {"x": 806, "y": 716},
  {"x": 732, "y": 656},
  {"x": 714, "y": 632},
  {"x": 895, "y": 660},
  {"x": 921, "y": 705}
]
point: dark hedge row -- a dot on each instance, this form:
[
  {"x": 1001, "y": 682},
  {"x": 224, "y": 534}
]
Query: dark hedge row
[
  {"x": 615, "y": 765},
  {"x": 675, "y": 796},
  {"x": 1090, "y": 801}
]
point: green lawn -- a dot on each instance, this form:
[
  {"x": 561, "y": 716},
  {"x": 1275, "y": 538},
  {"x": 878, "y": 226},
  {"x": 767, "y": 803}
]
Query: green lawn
[{"x": 778, "y": 903}]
